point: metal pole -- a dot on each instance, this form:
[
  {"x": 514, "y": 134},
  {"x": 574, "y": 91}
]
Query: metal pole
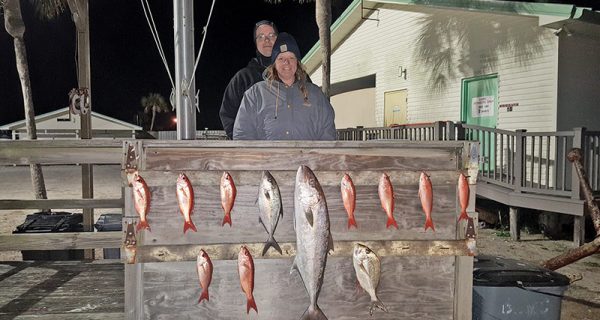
[{"x": 183, "y": 16}]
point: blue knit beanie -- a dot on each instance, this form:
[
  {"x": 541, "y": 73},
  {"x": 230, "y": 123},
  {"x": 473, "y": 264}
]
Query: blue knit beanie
[{"x": 284, "y": 43}]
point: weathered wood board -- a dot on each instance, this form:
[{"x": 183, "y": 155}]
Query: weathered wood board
[
  {"x": 420, "y": 286},
  {"x": 53, "y": 290}
]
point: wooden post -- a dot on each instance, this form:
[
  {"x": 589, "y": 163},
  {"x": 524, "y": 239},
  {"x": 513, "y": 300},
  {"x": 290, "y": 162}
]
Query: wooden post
[
  {"x": 80, "y": 13},
  {"x": 578, "y": 221},
  {"x": 460, "y": 131},
  {"x": 450, "y": 130},
  {"x": 515, "y": 230},
  {"x": 519, "y": 163},
  {"x": 438, "y": 131}
]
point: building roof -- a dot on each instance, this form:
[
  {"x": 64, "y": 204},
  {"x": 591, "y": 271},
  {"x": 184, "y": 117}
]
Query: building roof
[
  {"x": 361, "y": 10},
  {"x": 59, "y": 119}
]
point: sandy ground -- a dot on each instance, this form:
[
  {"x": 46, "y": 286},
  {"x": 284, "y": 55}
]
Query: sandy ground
[{"x": 582, "y": 299}]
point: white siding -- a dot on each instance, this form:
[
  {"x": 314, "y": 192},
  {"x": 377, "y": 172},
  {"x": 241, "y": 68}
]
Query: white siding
[{"x": 381, "y": 47}]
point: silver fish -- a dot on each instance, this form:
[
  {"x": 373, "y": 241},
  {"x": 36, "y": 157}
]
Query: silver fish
[
  {"x": 313, "y": 237},
  {"x": 368, "y": 270},
  {"x": 270, "y": 208}
]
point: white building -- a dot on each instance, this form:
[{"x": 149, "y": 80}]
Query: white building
[
  {"x": 60, "y": 124},
  {"x": 499, "y": 64}
]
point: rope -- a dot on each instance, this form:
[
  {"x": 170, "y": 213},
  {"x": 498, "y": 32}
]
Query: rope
[
  {"x": 204, "y": 31},
  {"x": 156, "y": 37}
]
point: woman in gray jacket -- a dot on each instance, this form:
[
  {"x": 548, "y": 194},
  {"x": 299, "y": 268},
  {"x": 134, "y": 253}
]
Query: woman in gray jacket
[{"x": 284, "y": 106}]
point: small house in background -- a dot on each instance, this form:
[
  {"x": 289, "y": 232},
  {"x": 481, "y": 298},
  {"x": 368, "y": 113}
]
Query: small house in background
[
  {"x": 498, "y": 64},
  {"x": 60, "y": 124}
]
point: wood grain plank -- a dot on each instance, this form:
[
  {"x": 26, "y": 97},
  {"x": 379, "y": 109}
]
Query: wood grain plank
[
  {"x": 61, "y": 241},
  {"x": 61, "y": 152},
  {"x": 61, "y": 290},
  {"x": 290, "y": 159},
  {"x": 167, "y": 223},
  {"x": 6, "y": 204},
  {"x": 389, "y": 248},
  {"x": 288, "y": 178},
  {"x": 411, "y": 287}
]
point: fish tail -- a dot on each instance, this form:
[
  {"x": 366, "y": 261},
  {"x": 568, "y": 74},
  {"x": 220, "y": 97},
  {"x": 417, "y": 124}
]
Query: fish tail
[
  {"x": 429, "y": 224},
  {"x": 226, "y": 219},
  {"x": 272, "y": 243},
  {"x": 463, "y": 215},
  {"x": 313, "y": 313},
  {"x": 251, "y": 304},
  {"x": 377, "y": 304},
  {"x": 204, "y": 295},
  {"x": 189, "y": 225},
  {"x": 352, "y": 222},
  {"x": 142, "y": 225},
  {"x": 391, "y": 222}
]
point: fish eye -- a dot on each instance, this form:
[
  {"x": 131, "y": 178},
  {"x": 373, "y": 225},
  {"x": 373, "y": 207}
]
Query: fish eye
[{"x": 367, "y": 250}]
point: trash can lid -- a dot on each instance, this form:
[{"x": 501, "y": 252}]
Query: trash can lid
[{"x": 494, "y": 271}]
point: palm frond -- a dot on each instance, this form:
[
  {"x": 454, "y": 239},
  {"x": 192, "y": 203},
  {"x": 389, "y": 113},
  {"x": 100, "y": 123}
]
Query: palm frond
[{"x": 49, "y": 9}]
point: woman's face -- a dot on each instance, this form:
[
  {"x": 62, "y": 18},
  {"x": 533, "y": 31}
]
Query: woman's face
[{"x": 286, "y": 65}]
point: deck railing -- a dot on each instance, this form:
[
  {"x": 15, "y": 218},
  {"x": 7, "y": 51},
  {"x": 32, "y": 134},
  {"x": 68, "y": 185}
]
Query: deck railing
[
  {"x": 532, "y": 162},
  {"x": 61, "y": 152}
]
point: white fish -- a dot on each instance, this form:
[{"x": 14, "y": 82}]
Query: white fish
[
  {"x": 368, "y": 271},
  {"x": 313, "y": 237}
]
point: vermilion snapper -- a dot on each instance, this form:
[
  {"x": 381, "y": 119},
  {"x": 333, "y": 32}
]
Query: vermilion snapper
[
  {"x": 463, "y": 196},
  {"x": 349, "y": 199},
  {"x": 246, "y": 272},
  {"x": 141, "y": 201},
  {"x": 386, "y": 195},
  {"x": 426, "y": 196},
  {"x": 228, "y": 192},
  {"x": 205, "y": 270},
  {"x": 185, "y": 198}
]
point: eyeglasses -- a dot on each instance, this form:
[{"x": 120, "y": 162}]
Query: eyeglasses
[{"x": 262, "y": 37}]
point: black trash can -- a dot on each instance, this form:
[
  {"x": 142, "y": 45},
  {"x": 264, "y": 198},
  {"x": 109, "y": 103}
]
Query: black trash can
[
  {"x": 110, "y": 222},
  {"x": 42, "y": 222},
  {"x": 510, "y": 289}
]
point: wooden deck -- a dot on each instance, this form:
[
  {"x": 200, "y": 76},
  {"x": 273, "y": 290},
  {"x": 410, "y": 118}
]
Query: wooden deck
[{"x": 63, "y": 290}]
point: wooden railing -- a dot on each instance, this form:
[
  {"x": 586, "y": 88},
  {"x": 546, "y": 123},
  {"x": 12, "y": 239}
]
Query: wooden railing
[
  {"x": 532, "y": 162},
  {"x": 60, "y": 152}
]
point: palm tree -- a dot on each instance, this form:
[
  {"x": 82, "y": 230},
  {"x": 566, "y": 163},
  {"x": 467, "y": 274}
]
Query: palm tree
[
  {"x": 15, "y": 27},
  {"x": 323, "y": 18},
  {"x": 154, "y": 103}
]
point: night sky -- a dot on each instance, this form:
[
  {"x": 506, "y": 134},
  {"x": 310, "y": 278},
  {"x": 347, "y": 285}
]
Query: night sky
[{"x": 125, "y": 64}]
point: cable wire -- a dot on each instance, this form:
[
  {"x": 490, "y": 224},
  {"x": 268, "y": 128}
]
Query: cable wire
[
  {"x": 156, "y": 37},
  {"x": 204, "y": 31}
]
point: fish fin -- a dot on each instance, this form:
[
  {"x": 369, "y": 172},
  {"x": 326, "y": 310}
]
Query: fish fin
[
  {"x": 271, "y": 243},
  {"x": 267, "y": 195},
  {"x": 352, "y": 222},
  {"x": 189, "y": 225},
  {"x": 142, "y": 225},
  {"x": 363, "y": 269},
  {"x": 391, "y": 222},
  {"x": 429, "y": 224},
  {"x": 313, "y": 313},
  {"x": 463, "y": 215},
  {"x": 226, "y": 219},
  {"x": 377, "y": 303},
  {"x": 294, "y": 267},
  {"x": 251, "y": 304},
  {"x": 280, "y": 210},
  {"x": 309, "y": 217},
  {"x": 330, "y": 244},
  {"x": 204, "y": 295}
]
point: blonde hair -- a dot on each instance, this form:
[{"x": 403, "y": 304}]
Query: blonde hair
[{"x": 300, "y": 77}]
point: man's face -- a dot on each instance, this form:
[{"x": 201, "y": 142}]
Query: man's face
[
  {"x": 265, "y": 38},
  {"x": 286, "y": 65}
]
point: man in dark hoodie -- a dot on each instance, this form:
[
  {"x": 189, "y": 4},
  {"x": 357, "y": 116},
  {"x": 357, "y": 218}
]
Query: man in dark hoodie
[{"x": 265, "y": 34}]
